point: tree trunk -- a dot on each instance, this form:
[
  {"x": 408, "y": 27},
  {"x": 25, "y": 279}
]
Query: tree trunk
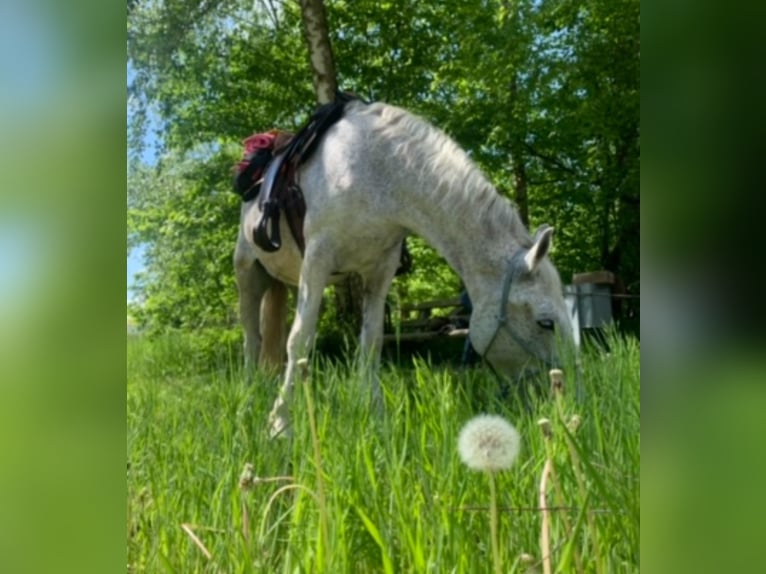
[
  {"x": 517, "y": 156},
  {"x": 348, "y": 294},
  {"x": 520, "y": 186},
  {"x": 317, "y": 36}
]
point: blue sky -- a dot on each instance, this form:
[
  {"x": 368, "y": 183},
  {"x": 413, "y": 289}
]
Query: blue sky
[
  {"x": 29, "y": 72},
  {"x": 135, "y": 265},
  {"x": 149, "y": 156}
]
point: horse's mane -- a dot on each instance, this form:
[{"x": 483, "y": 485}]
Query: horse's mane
[{"x": 459, "y": 181}]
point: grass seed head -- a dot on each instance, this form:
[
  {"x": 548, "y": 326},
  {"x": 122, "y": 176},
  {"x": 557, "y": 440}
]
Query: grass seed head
[
  {"x": 574, "y": 423},
  {"x": 545, "y": 426},
  {"x": 247, "y": 478}
]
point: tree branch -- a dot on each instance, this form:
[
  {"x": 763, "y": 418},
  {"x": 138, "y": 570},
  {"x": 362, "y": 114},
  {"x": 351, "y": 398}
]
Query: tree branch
[{"x": 549, "y": 159}]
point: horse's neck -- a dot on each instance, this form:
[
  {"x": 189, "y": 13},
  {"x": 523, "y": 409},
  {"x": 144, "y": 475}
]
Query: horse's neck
[
  {"x": 477, "y": 244},
  {"x": 436, "y": 190},
  {"x": 479, "y": 247},
  {"x": 446, "y": 198}
]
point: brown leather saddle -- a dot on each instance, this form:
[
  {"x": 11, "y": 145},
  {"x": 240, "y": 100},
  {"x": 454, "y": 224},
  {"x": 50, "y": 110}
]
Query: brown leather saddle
[{"x": 278, "y": 190}]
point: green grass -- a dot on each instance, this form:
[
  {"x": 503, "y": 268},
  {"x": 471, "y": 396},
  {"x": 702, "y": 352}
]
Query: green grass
[{"x": 398, "y": 499}]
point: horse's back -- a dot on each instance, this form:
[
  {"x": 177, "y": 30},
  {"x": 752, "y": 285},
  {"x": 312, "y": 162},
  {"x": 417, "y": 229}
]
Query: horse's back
[
  {"x": 354, "y": 158},
  {"x": 350, "y": 186}
]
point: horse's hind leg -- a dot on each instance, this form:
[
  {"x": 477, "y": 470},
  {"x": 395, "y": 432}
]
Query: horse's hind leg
[
  {"x": 273, "y": 323},
  {"x": 253, "y": 283},
  {"x": 315, "y": 271}
]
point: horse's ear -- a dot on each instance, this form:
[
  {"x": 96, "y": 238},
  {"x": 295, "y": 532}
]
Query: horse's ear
[{"x": 540, "y": 248}]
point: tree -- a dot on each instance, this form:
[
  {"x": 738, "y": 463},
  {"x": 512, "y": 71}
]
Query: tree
[
  {"x": 543, "y": 94},
  {"x": 320, "y": 51},
  {"x": 181, "y": 215},
  {"x": 348, "y": 294}
]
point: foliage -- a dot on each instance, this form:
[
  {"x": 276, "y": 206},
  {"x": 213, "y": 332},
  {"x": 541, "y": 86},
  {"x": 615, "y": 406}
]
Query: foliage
[
  {"x": 185, "y": 217},
  {"x": 398, "y": 497},
  {"x": 543, "y": 94},
  {"x": 429, "y": 277}
]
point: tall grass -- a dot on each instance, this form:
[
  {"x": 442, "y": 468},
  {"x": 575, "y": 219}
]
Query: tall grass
[{"x": 396, "y": 496}]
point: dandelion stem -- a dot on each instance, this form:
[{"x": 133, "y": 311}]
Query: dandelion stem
[
  {"x": 493, "y": 523},
  {"x": 557, "y": 384},
  {"x": 580, "y": 479},
  {"x": 559, "y": 493},
  {"x": 245, "y": 522},
  {"x": 545, "y": 535}
]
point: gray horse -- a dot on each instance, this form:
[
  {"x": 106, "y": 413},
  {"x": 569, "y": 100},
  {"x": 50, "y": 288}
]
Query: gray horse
[{"x": 379, "y": 174}]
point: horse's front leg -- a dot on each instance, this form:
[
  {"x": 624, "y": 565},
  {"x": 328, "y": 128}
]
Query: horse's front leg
[
  {"x": 376, "y": 286},
  {"x": 314, "y": 274}
]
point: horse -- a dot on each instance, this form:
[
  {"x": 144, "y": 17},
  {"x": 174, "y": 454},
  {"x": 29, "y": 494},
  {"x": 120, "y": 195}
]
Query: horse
[{"x": 379, "y": 174}]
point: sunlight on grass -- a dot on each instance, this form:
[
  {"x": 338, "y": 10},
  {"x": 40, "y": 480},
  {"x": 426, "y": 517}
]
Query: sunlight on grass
[{"x": 397, "y": 497}]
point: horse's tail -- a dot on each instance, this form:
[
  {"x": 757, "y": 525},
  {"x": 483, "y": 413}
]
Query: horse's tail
[{"x": 273, "y": 326}]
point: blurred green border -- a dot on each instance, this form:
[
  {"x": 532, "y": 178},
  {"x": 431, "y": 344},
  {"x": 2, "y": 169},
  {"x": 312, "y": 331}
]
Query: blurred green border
[{"x": 62, "y": 333}]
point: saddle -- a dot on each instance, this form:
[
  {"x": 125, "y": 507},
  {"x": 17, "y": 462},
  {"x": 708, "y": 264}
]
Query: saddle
[{"x": 269, "y": 172}]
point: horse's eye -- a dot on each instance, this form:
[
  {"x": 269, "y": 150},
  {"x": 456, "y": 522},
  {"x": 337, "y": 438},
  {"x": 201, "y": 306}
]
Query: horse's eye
[{"x": 546, "y": 324}]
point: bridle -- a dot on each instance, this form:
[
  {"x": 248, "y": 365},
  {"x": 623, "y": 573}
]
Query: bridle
[{"x": 513, "y": 271}]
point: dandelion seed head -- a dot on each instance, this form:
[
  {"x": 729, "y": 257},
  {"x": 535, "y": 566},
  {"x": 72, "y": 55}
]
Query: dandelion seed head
[{"x": 489, "y": 443}]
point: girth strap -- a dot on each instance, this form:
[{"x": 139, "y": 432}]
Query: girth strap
[{"x": 270, "y": 240}]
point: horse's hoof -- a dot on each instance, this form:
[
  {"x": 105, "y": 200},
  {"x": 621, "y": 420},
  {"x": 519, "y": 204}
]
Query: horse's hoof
[
  {"x": 378, "y": 403},
  {"x": 280, "y": 428},
  {"x": 279, "y": 423}
]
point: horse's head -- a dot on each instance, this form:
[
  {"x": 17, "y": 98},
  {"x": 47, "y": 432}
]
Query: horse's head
[{"x": 536, "y": 326}]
